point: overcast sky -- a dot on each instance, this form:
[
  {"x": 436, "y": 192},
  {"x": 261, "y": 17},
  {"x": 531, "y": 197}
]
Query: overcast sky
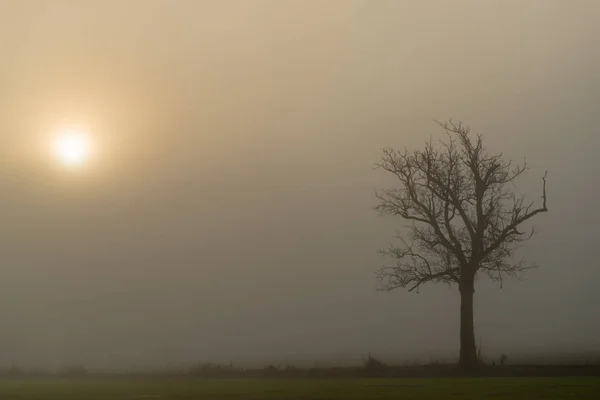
[{"x": 227, "y": 213}]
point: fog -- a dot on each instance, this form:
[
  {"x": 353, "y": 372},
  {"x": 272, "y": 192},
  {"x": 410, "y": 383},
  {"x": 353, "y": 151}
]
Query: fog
[{"x": 228, "y": 213}]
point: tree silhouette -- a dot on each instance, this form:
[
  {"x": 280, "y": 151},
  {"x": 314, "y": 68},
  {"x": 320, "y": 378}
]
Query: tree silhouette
[{"x": 465, "y": 219}]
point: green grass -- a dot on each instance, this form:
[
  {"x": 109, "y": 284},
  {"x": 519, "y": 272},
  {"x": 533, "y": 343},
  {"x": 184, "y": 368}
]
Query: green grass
[{"x": 255, "y": 389}]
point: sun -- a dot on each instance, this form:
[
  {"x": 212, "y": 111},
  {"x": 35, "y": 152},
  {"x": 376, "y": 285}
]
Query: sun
[{"x": 72, "y": 148}]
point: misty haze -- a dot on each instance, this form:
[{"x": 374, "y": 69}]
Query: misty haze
[{"x": 194, "y": 181}]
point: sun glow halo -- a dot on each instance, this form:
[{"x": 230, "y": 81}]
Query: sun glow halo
[{"x": 72, "y": 148}]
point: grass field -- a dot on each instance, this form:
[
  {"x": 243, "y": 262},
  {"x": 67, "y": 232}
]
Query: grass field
[{"x": 443, "y": 388}]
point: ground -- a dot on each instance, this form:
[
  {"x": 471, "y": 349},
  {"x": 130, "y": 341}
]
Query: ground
[{"x": 230, "y": 389}]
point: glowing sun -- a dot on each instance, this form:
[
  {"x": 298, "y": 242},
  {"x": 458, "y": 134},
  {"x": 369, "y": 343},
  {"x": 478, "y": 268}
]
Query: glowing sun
[{"x": 72, "y": 148}]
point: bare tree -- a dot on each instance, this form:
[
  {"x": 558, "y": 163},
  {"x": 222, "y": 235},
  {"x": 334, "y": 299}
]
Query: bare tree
[{"x": 464, "y": 220}]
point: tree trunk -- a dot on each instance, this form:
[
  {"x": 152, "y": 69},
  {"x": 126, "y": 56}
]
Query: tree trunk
[{"x": 468, "y": 350}]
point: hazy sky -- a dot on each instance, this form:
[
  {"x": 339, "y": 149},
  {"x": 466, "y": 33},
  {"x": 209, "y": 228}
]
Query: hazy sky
[{"x": 228, "y": 214}]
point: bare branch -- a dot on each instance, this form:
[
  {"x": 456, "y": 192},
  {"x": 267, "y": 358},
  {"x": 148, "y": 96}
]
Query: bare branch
[
  {"x": 519, "y": 215},
  {"x": 464, "y": 217}
]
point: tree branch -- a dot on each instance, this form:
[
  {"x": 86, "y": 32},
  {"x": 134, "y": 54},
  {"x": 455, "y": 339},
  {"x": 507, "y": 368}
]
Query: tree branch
[
  {"x": 464, "y": 217},
  {"x": 517, "y": 219}
]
